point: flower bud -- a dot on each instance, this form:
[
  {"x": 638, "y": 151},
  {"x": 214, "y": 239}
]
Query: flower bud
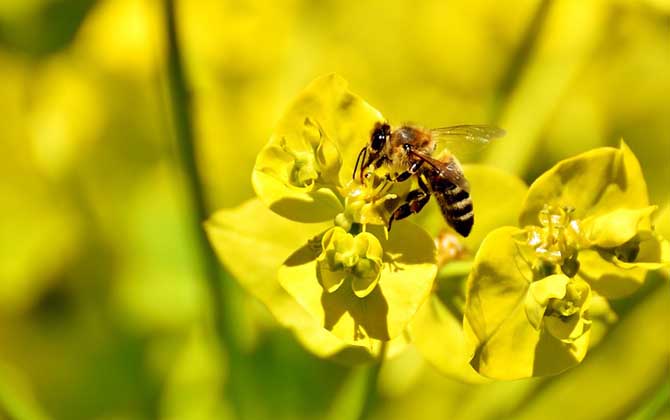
[
  {"x": 304, "y": 172},
  {"x": 345, "y": 257},
  {"x": 559, "y": 304},
  {"x": 566, "y": 317}
]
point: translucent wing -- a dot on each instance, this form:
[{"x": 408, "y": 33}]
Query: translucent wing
[
  {"x": 477, "y": 133},
  {"x": 448, "y": 169},
  {"x": 463, "y": 140}
]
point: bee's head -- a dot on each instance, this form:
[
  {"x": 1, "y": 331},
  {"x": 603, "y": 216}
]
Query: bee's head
[
  {"x": 372, "y": 153},
  {"x": 380, "y": 136}
]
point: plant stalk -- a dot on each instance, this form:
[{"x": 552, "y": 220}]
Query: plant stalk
[
  {"x": 219, "y": 284},
  {"x": 371, "y": 385}
]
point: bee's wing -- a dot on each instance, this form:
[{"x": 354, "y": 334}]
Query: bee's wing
[
  {"x": 448, "y": 168},
  {"x": 465, "y": 139}
]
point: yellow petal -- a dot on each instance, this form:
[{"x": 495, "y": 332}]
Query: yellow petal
[
  {"x": 539, "y": 293},
  {"x": 617, "y": 227},
  {"x": 327, "y": 122},
  {"x": 252, "y": 242},
  {"x": 406, "y": 279},
  {"x": 593, "y": 183},
  {"x": 607, "y": 278}
]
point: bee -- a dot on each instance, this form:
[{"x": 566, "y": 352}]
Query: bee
[{"x": 413, "y": 151}]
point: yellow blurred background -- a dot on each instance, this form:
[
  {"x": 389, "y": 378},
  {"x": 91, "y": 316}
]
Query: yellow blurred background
[{"x": 104, "y": 312}]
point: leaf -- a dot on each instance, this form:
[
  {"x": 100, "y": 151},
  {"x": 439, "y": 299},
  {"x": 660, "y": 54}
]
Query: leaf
[
  {"x": 312, "y": 151},
  {"x": 593, "y": 183},
  {"x": 617, "y": 227},
  {"x": 504, "y": 343},
  {"x": 252, "y": 242},
  {"x": 406, "y": 279}
]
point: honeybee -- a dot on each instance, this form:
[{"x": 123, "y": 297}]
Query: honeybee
[{"x": 413, "y": 151}]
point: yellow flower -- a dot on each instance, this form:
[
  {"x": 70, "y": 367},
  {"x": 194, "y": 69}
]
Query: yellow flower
[
  {"x": 586, "y": 232},
  {"x": 358, "y": 285}
]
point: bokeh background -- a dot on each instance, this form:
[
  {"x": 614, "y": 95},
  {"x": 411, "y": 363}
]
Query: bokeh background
[{"x": 105, "y": 309}]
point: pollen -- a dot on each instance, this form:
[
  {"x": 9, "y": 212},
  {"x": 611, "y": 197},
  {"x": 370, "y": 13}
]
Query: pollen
[{"x": 556, "y": 242}]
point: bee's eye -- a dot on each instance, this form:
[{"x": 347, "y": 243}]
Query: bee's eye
[{"x": 378, "y": 140}]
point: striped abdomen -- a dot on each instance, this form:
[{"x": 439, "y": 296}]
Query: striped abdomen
[{"x": 455, "y": 203}]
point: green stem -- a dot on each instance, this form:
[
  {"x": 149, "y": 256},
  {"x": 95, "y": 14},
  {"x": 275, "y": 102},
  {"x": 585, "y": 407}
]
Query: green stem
[
  {"x": 357, "y": 395},
  {"x": 221, "y": 288},
  {"x": 371, "y": 385},
  {"x": 455, "y": 269}
]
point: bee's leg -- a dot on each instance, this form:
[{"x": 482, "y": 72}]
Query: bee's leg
[
  {"x": 403, "y": 176},
  {"x": 411, "y": 171},
  {"x": 422, "y": 184},
  {"x": 416, "y": 200},
  {"x": 363, "y": 154}
]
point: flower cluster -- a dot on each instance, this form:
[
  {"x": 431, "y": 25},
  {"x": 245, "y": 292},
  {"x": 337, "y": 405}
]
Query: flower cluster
[
  {"x": 356, "y": 259},
  {"x": 506, "y": 302},
  {"x": 354, "y": 285}
]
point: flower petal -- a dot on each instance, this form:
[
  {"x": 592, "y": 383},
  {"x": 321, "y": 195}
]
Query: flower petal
[
  {"x": 438, "y": 335},
  {"x": 593, "y": 183},
  {"x": 617, "y": 227},
  {"x": 598, "y": 269},
  {"x": 330, "y": 280},
  {"x": 365, "y": 278},
  {"x": 252, "y": 242},
  {"x": 406, "y": 279},
  {"x": 369, "y": 246},
  {"x": 653, "y": 253},
  {"x": 312, "y": 151},
  {"x": 574, "y": 326},
  {"x": 567, "y": 329},
  {"x": 539, "y": 294}
]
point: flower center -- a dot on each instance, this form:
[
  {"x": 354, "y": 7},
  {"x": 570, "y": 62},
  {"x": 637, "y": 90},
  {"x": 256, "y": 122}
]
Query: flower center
[
  {"x": 569, "y": 305},
  {"x": 556, "y": 241},
  {"x": 370, "y": 202},
  {"x": 315, "y": 160}
]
